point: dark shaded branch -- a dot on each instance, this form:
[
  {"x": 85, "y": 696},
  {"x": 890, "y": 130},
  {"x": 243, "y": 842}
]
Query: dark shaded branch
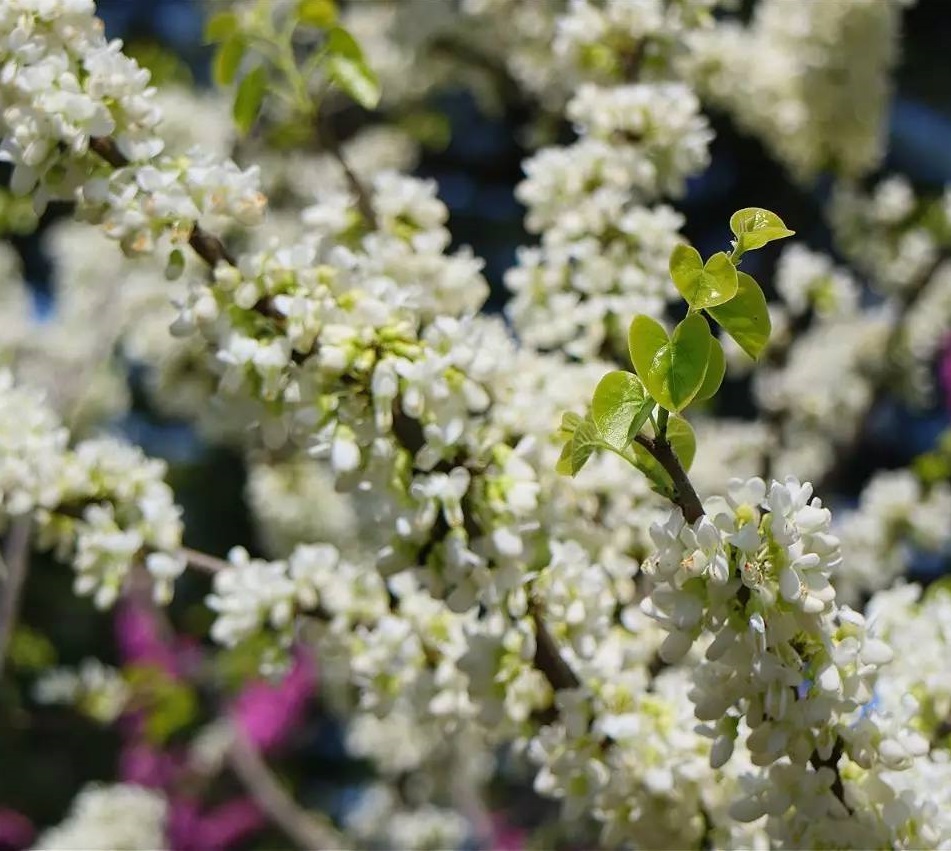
[
  {"x": 685, "y": 497},
  {"x": 548, "y": 659},
  {"x": 838, "y": 787}
]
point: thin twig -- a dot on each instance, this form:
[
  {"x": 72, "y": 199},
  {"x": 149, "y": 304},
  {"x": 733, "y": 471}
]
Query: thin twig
[
  {"x": 305, "y": 829},
  {"x": 332, "y": 145},
  {"x": 16, "y": 557},
  {"x": 204, "y": 562}
]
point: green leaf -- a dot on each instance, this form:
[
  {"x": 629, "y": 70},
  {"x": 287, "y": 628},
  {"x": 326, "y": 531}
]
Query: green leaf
[
  {"x": 754, "y": 227},
  {"x": 716, "y": 367},
  {"x": 678, "y": 367},
  {"x": 227, "y": 59},
  {"x": 569, "y": 422},
  {"x": 682, "y": 440},
  {"x": 563, "y": 465},
  {"x": 220, "y": 26},
  {"x": 745, "y": 317},
  {"x": 317, "y": 13},
  {"x": 348, "y": 68},
  {"x": 586, "y": 439},
  {"x": 645, "y": 338},
  {"x": 175, "y": 265},
  {"x": 702, "y": 284},
  {"x": 684, "y": 443},
  {"x": 620, "y": 407},
  {"x": 248, "y": 100}
]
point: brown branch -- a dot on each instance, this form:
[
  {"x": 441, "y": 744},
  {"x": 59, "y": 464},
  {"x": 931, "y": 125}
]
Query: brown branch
[
  {"x": 207, "y": 246},
  {"x": 203, "y": 562},
  {"x": 331, "y": 144},
  {"x": 548, "y": 659},
  {"x": 16, "y": 557},
  {"x": 685, "y": 497},
  {"x": 305, "y": 829}
]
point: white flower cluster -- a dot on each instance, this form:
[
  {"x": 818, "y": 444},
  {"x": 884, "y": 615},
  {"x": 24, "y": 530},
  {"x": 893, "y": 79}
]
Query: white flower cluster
[
  {"x": 884, "y": 234},
  {"x": 95, "y": 689},
  {"x": 102, "y": 504},
  {"x": 119, "y": 816},
  {"x": 379, "y": 818},
  {"x": 810, "y": 79},
  {"x": 785, "y": 664},
  {"x": 808, "y": 280},
  {"x": 823, "y": 389},
  {"x": 65, "y": 86},
  {"x": 895, "y": 513},
  {"x": 136, "y": 205},
  {"x": 552, "y": 48},
  {"x": 604, "y": 254},
  {"x": 254, "y": 593},
  {"x": 573, "y": 293}
]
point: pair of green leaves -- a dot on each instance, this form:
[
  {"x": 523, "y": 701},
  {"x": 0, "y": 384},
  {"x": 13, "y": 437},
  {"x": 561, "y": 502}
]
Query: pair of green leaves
[
  {"x": 343, "y": 59},
  {"x": 678, "y": 369},
  {"x": 620, "y": 410},
  {"x": 687, "y": 366},
  {"x": 224, "y": 28}
]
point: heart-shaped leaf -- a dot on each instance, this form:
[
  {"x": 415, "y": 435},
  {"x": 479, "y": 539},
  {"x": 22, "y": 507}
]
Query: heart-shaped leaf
[
  {"x": 702, "y": 284},
  {"x": 716, "y": 367},
  {"x": 672, "y": 368},
  {"x": 620, "y": 407},
  {"x": 754, "y": 227},
  {"x": 745, "y": 317},
  {"x": 645, "y": 338}
]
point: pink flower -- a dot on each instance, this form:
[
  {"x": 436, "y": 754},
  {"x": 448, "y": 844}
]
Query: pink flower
[
  {"x": 16, "y": 830},
  {"x": 222, "y": 827},
  {"x": 146, "y": 765},
  {"x": 269, "y": 712},
  {"x": 140, "y": 639},
  {"x": 506, "y": 837}
]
